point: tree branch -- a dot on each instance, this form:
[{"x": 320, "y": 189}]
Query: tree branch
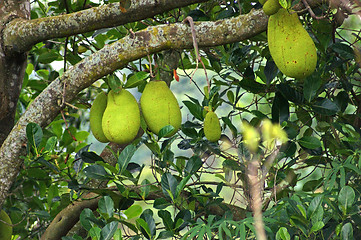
[
  {"x": 112, "y": 57},
  {"x": 21, "y": 34}
]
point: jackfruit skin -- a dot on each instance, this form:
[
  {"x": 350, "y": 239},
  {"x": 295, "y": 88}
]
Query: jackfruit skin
[
  {"x": 262, "y": 1},
  {"x": 271, "y": 7},
  {"x": 160, "y": 107},
  {"x": 121, "y": 118},
  {"x": 6, "y": 231},
  {"x": 212, "y": 127},
  {"x": 96, "y": 116},
  {"x": 291, "y": 48}
]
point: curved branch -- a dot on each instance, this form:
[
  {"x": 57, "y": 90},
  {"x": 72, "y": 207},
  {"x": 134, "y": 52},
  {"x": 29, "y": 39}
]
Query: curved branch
[
  {"x": 112, "y": 57},
  {"x": 21, "y": 34}
]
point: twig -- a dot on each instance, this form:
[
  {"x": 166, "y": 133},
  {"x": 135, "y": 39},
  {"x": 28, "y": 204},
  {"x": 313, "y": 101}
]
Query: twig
[
  {"x": 195, "y": 45},
  {"x": 313, "y": 15}
]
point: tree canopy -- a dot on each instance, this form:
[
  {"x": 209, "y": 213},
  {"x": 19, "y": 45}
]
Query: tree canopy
[{"x": 287, "y": 164}]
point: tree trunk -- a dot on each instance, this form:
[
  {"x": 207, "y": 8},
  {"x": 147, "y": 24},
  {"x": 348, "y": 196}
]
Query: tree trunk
[{"x": 12, "y": 66}]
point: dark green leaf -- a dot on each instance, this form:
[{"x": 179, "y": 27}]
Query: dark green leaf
[
  {"x": 48, "y": 57},
  {"x": 90, "y": 157},
  {"x": 310, "y": 142},
  {"x": 310, "y": 86},
  {"x": 196, "y": 110},
  {"x": 165, "y": 131},
  {"x": 108, "y": 230},
  {"x": 252, "y": 86},
  {"x": 85, "y": 219},
  {"x": 97, "y": 172},
  {"x": 280, "y": 108},
  {"x": 147, "y": 215},
  {"x": 343, "y": 50},
  {"x": 169, "y": 185},
  {"x": 114, "y": 83},
  {"x": 136, "y": 79},
  {"x": 193, "y": 164},
  {"x": 161, "y": 203},
  {"x": 34, "y": 133},
  {"x": 290, "y": 93},
  {"x": 125, "y": 156},
  {"x": 325, "y": 107},
  {"x": 270, "y": 71},
  {"x": 106, "y": 206},
  {"x": 167, "y": 219}
]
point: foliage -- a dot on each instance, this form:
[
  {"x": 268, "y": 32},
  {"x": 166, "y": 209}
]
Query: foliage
[{"x": 185, "y": 186}]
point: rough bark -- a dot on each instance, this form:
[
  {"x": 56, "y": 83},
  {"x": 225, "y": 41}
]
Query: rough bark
[
  {"x": 12, "y": 66},
  {"x": 20, "y": 34},
  {"x": 115, "y": 56}
]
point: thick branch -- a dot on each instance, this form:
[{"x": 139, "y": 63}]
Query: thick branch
[
  {"x": 115, "y": 56},
  {"x": 21, "y": 34}
]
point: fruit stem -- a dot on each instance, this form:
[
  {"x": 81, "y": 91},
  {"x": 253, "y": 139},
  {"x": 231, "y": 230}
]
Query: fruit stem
[{"x": 189, "y": 19}]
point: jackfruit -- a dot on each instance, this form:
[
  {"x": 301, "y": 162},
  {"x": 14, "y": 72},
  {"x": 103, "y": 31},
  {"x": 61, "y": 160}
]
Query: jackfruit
[
  {"x": 271, "y": 7},
  {"x": 212, "y": 127},
  {"x": 160, "y": 107},
  {"x": 291, "y": 48},
  {"x": 96, "y": 115},
  {"x": 121, "y": 118},
  {"x": 6, "y": 230}
]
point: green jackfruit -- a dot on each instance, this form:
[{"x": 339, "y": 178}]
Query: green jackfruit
[
  {"x": 96, "y": 116},
  {"x": 271, "y": 7},
  {"x": 212, "y": 128},
  {"x": 5, "y": 230},
  {"x": 291, "y": 48},
  {"x": 121, "y": 118},
  {"x": 160, "y": 107},
  {"x": 262, "y": 1}
]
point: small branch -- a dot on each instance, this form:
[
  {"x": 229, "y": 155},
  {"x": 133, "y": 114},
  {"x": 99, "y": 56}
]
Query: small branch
[{"x": 309, "y": 9}]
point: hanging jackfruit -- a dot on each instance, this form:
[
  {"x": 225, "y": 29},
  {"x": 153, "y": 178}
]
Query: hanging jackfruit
[
  {"x": 121, "y": 118},
  {"x": 96, "y": 116},
  {"x": 160, "y": 107},
  {"x": 271, "y": 7},
  {"x": 291, "y": 48},
  {"x": 212, "y": 127}
]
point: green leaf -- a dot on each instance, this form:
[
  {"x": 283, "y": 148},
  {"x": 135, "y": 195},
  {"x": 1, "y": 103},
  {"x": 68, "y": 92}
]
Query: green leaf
[
  {"x": 193, "y": 165},
  {"x": 315, "y": 204},
  {"x": 169, "y": 185},
  {"x": 106, "y": 206},
  {"x": 167, "y": 219},
  {"x": 270, "y": 71},
  {"x": 125, "y": 156},
  {"x": 165, "y": 131},
  {"x": 181, "y": 185},
  {"x": 34, "y": 133},
  {"x": 290, "y": 93},
  {"x": 94, "y": 232},
  {"x": 346, "y": 198},
  {"x": 347, "y": 232},
  {"x": 343, "y": 50},
  {"x": 317, "y": 226},
  {"x": 310, "y": 86},
  {"x": 282, "y": 234},
  {"x": 90, "y": 157},
  {"x": 280, "y": 108},
  {"x": 97, "y": 172},
  {"x": 133, "y": 211},
  {"x": 86, "y": 218},
  {"x": 143, "y": 227},
  {"x": 51, "y": 143},
  {"x": 161, "y": 203},
  {"x": 325, "y": 107},
  {"x": 147, "y": 215},
  {"x": 195, "y": 110},
  {"x": 252, "y": 86},
  {"x": 108, "y": 230},
  {"x": 136, "y": 79},
  {"x": 114, "y": 83},
  {"x": 48, "y": 57},
  {"x": 310, "y": 142}
]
